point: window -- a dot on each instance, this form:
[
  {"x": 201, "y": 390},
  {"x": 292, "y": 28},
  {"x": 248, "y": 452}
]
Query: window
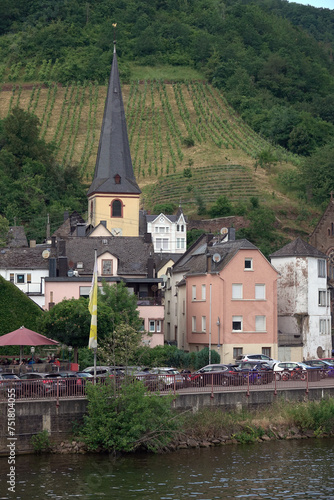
[
  {"x": 183, "y": 306},
  {"x": 117, "y": 178},
  {"x": 20, "y": 278},
  {"x": 236, "y": 291},
  {"x": 167, "y": 229},
  {"x": 29, "y": 278},
  {"x": 237, "y": 351},
  {"x": 203, "y": 292},
  {"x": 162, "y": 244},
  {"x": 116, "y": 208},
  {"x": 321, "y": 268},
  {"x": 260, "y": 292},
  {"x": 180, "y": 243},
  {"x": 237, "y": 323},
  {"x": 322, "y": 326},
  {"x": 182, "y": 228},
  {"x": 79, "y": 265},
  {"x": 161, "y": 229},
  {"x": 193, "y": 292},
  {"x": 84, "y": 291},
  {"x": 11, "y": 277},
  {"x": 158, "y": 325},
  {"x": 193, "y": 323},
  {"x": 168, "y": 307},
  {"x": 203, "y": 323},
  {"x": 322, "y": 298},
  {"x": 260, "y": 323},
  {"x": 107, "y": 267},
  {"x": 177, "y": 227},
  {"x": 152, "y": 325},
  {"x": 156, "y": 229},
  {"x": 248, "y": 264},
  {"x": 266, "y": 351}
]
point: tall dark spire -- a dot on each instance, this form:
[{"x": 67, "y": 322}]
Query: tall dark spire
[{"x": 113, "y": 169}]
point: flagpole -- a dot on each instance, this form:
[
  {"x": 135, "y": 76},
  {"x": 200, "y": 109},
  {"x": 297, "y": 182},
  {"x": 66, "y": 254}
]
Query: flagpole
[{"x": 93, "y": 310}]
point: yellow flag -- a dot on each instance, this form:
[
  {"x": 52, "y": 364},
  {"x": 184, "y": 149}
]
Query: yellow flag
[{"x": 93, "y": 310}]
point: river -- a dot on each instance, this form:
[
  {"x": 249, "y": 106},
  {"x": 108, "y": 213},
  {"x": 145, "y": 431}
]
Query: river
[{"x": 300, "y": 469}]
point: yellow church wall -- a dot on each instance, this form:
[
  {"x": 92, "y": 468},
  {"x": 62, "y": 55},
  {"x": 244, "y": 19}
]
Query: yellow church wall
[{"x": 99, "y": 209}]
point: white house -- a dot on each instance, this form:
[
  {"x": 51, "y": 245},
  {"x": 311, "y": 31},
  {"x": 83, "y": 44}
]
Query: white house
[
  {"x": 169, "y": 232},
  {"x": 304, "y": 319}
]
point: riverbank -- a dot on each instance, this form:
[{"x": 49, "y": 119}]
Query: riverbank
[{"x": 214, "y": 427}]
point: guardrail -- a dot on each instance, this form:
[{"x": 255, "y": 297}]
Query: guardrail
[{"x": 246, "y": 382}]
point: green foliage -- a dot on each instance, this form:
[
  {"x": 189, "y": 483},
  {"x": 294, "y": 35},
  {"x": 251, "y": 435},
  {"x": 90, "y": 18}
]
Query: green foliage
[
  {"x": 120, "y": 306},
  {"x": 165, "y": 208},
  {"x": 202, "y": 358},
  {"x": 16, "y": 309},
  {"x": 249, "y": 435},
  {"x": 317, "y": 174},
  {"x": 315, "y": 415},
  {"x": 188, "y": 141},
  {"x": 187, "y": 173},
  {"x": 134, "y": 419},
  {"x": 31, "y": 182},
  {"x": 193, "y": 235},
  {"x": 221, "y": 208},
  {"x": 119, "y": 345},
  {"x": 68, "y": 322},
  {"x": 4, "y": 228},
  {"x": 41, "y": 442}
]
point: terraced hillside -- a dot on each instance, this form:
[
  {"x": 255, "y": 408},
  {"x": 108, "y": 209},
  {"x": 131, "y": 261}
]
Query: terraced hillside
[{"x": 171, "y": 127}]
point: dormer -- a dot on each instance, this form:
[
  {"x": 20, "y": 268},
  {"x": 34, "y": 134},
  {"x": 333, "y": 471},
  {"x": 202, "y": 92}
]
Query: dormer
[{"x": 117, "y": 179}]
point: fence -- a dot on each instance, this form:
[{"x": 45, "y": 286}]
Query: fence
[{"x": 75, "y": 387}]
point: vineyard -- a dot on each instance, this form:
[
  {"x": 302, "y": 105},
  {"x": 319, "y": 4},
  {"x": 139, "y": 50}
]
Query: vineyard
[{"x": 174, "y": 129}]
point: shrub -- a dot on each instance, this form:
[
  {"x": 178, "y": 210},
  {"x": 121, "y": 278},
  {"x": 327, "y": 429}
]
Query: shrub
[
  {"x": 41, "y": 442},
  {"x": 188, "y": 141},
  {"x": 187, "y": 172},
  {"x": 134, "y": 419}
]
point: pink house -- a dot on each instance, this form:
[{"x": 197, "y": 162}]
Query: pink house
[{"x": 230, "y": 299}]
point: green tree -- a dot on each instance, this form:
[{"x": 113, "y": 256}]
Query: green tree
[
  {"x": 317, "y": 174},
  {"x": 4, "y": 228},
  {"x": 221, "y": 208},
  {"x": 119, "y": 346}
]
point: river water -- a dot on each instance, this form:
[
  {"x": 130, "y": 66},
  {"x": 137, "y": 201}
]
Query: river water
[{"x": 300, "y": 469}]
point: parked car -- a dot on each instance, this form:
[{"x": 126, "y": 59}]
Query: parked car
[
  {"x": 286, "y": 366},
  {"x": 167, "y": 377},
  {"x": 105, "y": 371},
  {"x": 257, "y": 372},
  {"x": 326, "y": 367},
  {"x": 217, "y": 375},
  {"x": 42, "y": 384},
  {"x": 257, "y": 357},
  {"x": 7, "y": 381}
]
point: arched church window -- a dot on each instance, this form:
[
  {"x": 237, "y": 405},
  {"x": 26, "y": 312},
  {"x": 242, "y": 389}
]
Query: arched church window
[{"x": 116, "y": 208}]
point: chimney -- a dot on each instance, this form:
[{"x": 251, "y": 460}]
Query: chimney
[
  {"x": 104, "y": 223},
  {"x": 52, "y": 267},
  {"x": 231, "y": 234},
  {"x": 150, "y": 267},
  {"x": 147, "y": 238},
  {"x": 62, "y": 247},
  {"x": 66, "y": 215},
  {"x": 53, "y": 241},
  {"x": 208, "y": 262},
  {"x": 62, "y": 266}
]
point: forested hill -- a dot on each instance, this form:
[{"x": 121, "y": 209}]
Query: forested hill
[
  {"x": 272, "y": 58},
  {"x": 237, "y": 84}
]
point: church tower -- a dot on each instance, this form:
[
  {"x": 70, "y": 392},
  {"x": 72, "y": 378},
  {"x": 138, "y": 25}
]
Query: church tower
[{"x": 114, "y": 193}]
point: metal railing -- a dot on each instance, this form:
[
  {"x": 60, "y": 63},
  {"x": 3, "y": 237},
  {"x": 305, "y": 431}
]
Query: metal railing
[{"x": 246, "y": 382}]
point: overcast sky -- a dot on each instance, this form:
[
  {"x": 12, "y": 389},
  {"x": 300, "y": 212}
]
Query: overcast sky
[{"x": 327, "y": 4}]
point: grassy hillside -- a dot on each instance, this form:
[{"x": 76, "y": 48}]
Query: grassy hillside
[{"x": 171, "y": 127}]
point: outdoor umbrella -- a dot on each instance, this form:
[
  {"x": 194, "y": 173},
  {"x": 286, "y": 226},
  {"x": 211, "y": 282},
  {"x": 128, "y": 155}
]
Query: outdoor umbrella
[{"x": 24, "y": 336}]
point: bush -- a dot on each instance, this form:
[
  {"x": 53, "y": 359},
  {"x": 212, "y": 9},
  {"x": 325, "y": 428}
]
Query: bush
[
  {"x": 133, "y": 418},
  {"x": 188, "y": 141},
  {"x": 41, "y": 442}
]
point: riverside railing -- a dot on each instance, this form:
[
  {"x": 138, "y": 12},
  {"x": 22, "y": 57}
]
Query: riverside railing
[{"x": 245, "y": 382}]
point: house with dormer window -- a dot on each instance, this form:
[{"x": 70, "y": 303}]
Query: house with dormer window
[{"x": 169, "y": 232}]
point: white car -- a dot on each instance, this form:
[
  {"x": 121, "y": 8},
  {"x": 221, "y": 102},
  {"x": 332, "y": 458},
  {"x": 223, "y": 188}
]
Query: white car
[
  {"x": 285, "y": 366},
  {"x": 257, "y": 357}
]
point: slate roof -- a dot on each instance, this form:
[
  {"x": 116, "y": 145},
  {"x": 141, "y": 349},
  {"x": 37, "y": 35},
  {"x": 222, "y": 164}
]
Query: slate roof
[
  {"x": 24, "y": 258},
  {"x": 298, "y": 248},
  {"x": 196, "y": 262},
  {"x": 69, "y": 225},
  {"x": 113, "y": 155},
  {"x": 132, "y": 253}
]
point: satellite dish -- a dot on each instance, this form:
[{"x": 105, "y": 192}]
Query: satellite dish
[
  {"x": 224, "y": 230},
  {"x": 70, "y": 273},
  {"x": 216, "y": 258},
  {"x": 46, "y": 254}
]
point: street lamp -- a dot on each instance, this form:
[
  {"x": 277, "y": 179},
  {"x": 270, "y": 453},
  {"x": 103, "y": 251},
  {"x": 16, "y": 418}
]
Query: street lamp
[{"x": 32, "y": 350}]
